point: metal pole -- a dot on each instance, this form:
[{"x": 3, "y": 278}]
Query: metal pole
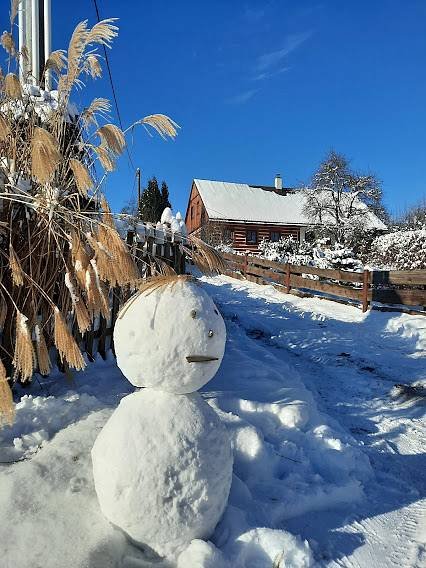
[
  {"x": 138, "y": 175},
  {"x": 21, "y": 25},
  {"x": 28, "y": 42},
  {"x": 35, "y": 40},
  {"x": 47, "y": 41}
]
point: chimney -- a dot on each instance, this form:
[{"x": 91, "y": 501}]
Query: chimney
[{"x": 278, "y": 182}]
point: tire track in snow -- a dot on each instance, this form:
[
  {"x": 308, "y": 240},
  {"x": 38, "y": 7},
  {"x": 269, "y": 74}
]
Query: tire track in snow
[{"x": 379, "y": 551}]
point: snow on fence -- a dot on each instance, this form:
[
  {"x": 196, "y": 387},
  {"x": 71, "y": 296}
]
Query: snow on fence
[
  {"x": 149, "y": 242},
  {"x": 392, "y": 288}
]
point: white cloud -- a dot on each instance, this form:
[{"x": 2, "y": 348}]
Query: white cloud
[
  {"x": 243, "y": 97},
  {"x": 268, "y": 60},
  {"x": 268, "y": 75}
]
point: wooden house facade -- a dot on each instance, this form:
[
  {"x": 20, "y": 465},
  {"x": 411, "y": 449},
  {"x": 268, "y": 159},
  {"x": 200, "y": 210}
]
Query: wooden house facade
[{"x": 242, "y": 215}]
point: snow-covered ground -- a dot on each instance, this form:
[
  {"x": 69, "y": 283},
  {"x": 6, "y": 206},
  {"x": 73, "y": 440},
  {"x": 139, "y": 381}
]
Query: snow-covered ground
[{"x": 329, "y": 469}]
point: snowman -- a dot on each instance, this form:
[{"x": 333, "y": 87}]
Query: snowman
[{"x": 162, "y": 464}]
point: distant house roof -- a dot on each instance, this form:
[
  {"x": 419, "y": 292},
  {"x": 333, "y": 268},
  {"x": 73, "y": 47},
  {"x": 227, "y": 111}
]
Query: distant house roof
[
  {"x": 242, "y": 202},
  {"x": 226, "y": 201}
]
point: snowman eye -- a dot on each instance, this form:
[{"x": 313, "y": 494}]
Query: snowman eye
[
  {"x": 193, "y": 314},
  {"x": 211, "y": 333}
]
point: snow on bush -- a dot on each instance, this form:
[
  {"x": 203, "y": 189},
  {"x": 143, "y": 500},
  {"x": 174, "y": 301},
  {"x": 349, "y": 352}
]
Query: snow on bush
[
  {"x": 402, "y": 250},
  {"x": 320, "y": 253}
]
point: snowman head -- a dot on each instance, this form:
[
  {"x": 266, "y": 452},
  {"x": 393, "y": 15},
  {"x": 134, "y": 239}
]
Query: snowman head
[{"x": 170, "y": 337}]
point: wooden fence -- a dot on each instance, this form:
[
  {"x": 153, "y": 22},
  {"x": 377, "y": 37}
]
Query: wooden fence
[{"x": 368, "y": 288}]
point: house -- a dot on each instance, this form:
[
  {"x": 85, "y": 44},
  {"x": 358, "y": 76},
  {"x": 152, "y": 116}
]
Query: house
[{"x": 241, "y": 215}]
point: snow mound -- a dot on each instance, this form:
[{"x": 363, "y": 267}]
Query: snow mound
[
  {"x": 38, "y": 418},
  {"x": 201, "y": 554},
  {"x": 162, "y": 467},
  {"x": 158, "y": 331},
  {"x": 267, "y": 548}
]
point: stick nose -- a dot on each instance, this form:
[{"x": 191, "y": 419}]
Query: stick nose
[{"x": 201, "y": 358}]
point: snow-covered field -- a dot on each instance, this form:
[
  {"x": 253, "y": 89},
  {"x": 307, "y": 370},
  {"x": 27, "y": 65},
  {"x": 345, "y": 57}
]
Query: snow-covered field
[{"x": 329, "y": 468}]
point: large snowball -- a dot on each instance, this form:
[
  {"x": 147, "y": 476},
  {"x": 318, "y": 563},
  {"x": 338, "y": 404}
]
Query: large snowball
[
  {"x": 158, "y": 331},
  {"x": 162, "y": 467}
]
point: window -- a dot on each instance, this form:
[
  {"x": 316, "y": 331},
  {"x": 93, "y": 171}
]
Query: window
[
  {"x": 228, "y": 235},
  {"x": 251, "y": 237},
  {"x": 275, "y": 236},
  {"x": 192, "y": 212}
]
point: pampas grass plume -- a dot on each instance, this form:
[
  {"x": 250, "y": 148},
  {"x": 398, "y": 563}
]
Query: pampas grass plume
[
  {"x": 66, "y": 344},
  {"x": 12, "y": 86},
  {"x": 45, "y": 156},
  {"x": 24, "y": 356},
  {"x": 7, "y": 408}
]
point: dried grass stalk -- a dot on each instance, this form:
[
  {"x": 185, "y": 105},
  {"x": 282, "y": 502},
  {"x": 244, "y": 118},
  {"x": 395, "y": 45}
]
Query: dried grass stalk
[
  {"x": 4, "y": 128},
  {"x": 112, "y": 138},
  {"x": 3, "y": 312},
  {"x": 98, "y": 106},
  {"x": 80, "y": 259},
  {"x": 25, "y": 56},
  {"x": 56, "y": 61},
  {"x": 7, "y": 408},
  {"x": 45, "y": 156},
  {"x": 43, "y": 359},
  {"x": 82, "y": 176},
  {"x": 66, "y": 344},
  {"x": 14, "y": 6},
  {"x": 92, "y": 292},
  {"x": 82, "y": 315},
  {"x": 92, "y": 66},
  {"x": 12, "y": 86},
  {"x": 24, "y": 356},
  {"x": 105, "y": 158},
  {"x": 6, "y": 40},
  {"x": 151, "y": 285},
  {"x": 80, "y": 310},
  {"x": 15, "y": 267},
  {"x": 103, "y": 32},
  {"x": 102, "y": 292},
  {"x": 75, "y": 51},
  {"x": 206, "y": 258},
  {"x": 162, "y": 124},
  {"x": 122, "y": 269}
]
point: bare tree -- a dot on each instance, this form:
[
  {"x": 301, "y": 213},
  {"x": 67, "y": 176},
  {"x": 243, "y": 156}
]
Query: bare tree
[
  {"x": 340, "y": 202},
  {"x": 414, "y": 217}
]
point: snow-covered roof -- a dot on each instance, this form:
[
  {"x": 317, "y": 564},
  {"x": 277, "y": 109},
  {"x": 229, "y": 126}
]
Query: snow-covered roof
[
  {"x": 243, "y": 202},
  {"x": 260, "y": 204}
]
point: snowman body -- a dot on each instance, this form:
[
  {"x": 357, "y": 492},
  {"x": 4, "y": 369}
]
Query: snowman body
[{"x": 162, "y": 464}]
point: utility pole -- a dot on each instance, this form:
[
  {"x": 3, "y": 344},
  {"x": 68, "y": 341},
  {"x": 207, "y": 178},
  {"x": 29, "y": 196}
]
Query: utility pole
[
  {"x": 35, "y": 34},
  {"x": 138, "y": 176}
]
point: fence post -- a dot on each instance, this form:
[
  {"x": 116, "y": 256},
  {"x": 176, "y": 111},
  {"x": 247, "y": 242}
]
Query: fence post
[
  {"x": 245, "y": 264},
  {"x": 287, "y": 278},
  {"x": 365, "y": 290}
]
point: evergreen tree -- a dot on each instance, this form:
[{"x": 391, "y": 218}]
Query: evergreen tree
[
  {"x": 165, "y": 196},
  {"x": 151, "y": 205}
]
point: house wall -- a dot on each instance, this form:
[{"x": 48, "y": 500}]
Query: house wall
[
  {"x": 239, "y": 234},
  {"x": 195, "y": 213}
]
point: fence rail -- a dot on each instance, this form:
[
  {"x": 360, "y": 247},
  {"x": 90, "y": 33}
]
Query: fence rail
[{"x": 389, "y": 288}]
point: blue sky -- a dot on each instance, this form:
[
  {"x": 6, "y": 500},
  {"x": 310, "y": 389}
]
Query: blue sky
[{"x": 261, "y": 87}]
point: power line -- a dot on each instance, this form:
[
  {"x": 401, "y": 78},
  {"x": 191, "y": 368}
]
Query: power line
[{"x": 117, "y": 110}]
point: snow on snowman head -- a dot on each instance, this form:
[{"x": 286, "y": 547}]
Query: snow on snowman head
[{"x": 170, "y": 336}]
